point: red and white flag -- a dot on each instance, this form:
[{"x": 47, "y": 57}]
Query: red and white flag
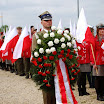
[
  {"x": 83, "y": 32},
  {"x": 9, "y": 43},
  {"x": 23, "y": 46}
]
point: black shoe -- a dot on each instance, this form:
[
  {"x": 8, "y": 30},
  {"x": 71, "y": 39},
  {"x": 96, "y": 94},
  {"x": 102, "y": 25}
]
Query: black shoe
[
  {"x": 84, "y": 91},
  {"x": 12, "y": 70},
  {"x": 22, "y": 74},
  {"x": 27, "y": 77},
  {"x": 100, "y": 98},
  {"x": 80, "y": 92}
]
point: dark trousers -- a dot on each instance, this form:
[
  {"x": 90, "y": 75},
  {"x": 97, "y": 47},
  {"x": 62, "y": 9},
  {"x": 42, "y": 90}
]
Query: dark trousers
[
  {"x": 81, "y": 80},
  {"x": 91, "y": 78},
  {"x": 48, "y": 98},
  {"x": 99, "y": 85},
  {"x": 20, "y": 66},
  {"x": 27, "y": 65}
]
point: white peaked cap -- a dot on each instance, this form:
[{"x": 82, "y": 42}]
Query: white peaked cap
[{"x": 81, "y": 27}]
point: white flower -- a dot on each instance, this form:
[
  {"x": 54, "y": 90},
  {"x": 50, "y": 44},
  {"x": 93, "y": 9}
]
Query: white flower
[
  {"x": 66, "y": 32},
  {"x": 63, "y": 45},
  {"x": 65, "y": 35},
  {"x": 41, "y": 50},
  {"x": 46, "y": 35},
  {"x": 50, "y": 43},
  {"x": 76, "y": 50},
  {"x": 79, "y": 48},
  {"x": 59, "y": 28},
  {"x": 62, "y": 39},
  {"x": 36, "y": 54},
  {"x": 68, "y": 37},
  {"x": 69, "y": 44},
  {"x": 53, "y": 28},
  {"x": 53, "y": 49},
  {"x": 60, "y": 32},
  {"x": 73, "y": 42},
  {"x": 39, "y": 41},
  {"x": 52, "y": 34},
  {"x": 48, "y": 51},
  {"x": 56, "y": 41}
]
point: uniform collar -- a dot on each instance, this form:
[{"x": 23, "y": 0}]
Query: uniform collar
[{"x": 47, "y": 30}]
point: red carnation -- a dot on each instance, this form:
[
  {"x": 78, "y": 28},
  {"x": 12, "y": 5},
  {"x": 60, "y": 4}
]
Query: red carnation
[
  {"x": 74, "y": 51},
  {"x": 53, "y": 75},
  {"x": 72, "y": 79},
  {"x": 78, "y": 71},
  {"x": 67, "y": 55},
  {"x": 49, "y": 65},
  {"x": 64, "y": 59},
  {"x": 54, "y": 53},
  {"x": 40, "y": 66},
  {"x": 51, "y": 58},
  {"x": 45, "y": 58},
  {"x": 45, "y": 64},
  {"x": 70, "y": 56},
  {"x": 75, "y": 73},
  {"x": 78, "y": 65},
  {"x": 48, "y": 85},
  {"x": 43, "y": 74},
  {"x": 45, "y": 81},
  {"x": 68, "y": 50},
  {"x": 60, "y": 56},
  {"x": 69, "y": 67},
  {"x": 56, "y": 61},
  {"x": 39, "y": 59},
  {"x": 62, "y": 52},
  {"x": 73, "y": 70},
  {"x": 73, "y": 65},
  {"x": 47, "y": 72},
  {"x": 39, "y": 72}
]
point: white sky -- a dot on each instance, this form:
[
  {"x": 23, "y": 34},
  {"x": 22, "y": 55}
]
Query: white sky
[{"x": 25, "y": 12}]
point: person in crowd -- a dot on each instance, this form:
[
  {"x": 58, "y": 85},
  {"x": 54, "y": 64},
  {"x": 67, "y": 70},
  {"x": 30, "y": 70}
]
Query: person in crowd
[
  {"x": 98, "y": 70},
  {"x": 46, "y": 21}
]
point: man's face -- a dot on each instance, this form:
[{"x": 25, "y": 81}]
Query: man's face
[
  {"x": 19, "y": 31},
  {"x": 32, "y": 30},
  {"x": 46, "y": 23},
  {"x": 101, "y": 32}
]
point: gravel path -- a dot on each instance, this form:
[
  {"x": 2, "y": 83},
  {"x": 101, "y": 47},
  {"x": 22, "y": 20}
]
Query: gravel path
[{"x": 18, "y": 90}]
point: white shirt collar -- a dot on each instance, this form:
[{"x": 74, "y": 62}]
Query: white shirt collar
[{"x": 46, "y": 30}]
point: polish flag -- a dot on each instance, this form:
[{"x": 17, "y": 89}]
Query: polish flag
[
  {"x": 23, "y": 46},
  {"x": 83, "y": 32},
  {"x": 9, "y": 43}
]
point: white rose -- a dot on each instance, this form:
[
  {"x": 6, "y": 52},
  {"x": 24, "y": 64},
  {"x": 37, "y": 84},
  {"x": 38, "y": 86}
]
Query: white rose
[
  {"x": 79, "y": 48},
  {"x": 63, "y": 45},
  {"x": 48, "y": 51},
  {"x": 60, "y": 32},
  {"x": 50, "y": 43},
  {"x": 46, "y": 35},
  {"x": 39, "y": 41},
  {"x": 73, "y": 41},
  {"x": 53, "y": 49},
  {"x": 41, "y": 50},
  {"x": 66, "y": 32},
  {"x": 53, "y": 28},
  {"x": 76, "y": 50},
  {"x": 65, "y": 35},
  {"x": 68, "y": 37},
  {"x": 52, "y": 34},
  {"x": 56, "y": 41},
  {"x": 69, "y": 44},
  {"x": 62, "y": 39},
  {"x": 36, "y": 54}
]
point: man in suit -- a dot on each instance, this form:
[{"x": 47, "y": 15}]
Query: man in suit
[{"x": 46, "y": 21}]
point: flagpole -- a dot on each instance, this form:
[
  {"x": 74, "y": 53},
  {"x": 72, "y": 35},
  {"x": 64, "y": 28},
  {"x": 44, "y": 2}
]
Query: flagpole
[{"x": 78, "y": 7}]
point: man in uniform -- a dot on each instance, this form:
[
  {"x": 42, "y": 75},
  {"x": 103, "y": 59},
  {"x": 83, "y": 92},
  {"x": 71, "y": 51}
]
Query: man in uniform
[{"x": 46, "y": 21}]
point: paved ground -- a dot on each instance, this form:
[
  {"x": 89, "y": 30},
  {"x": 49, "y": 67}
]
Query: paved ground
[{"x": 18, "y": 90}]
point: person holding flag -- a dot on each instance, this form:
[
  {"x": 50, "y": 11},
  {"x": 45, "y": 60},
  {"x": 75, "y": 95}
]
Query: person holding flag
[
  {"x": 85, "y": 44},
  {"x": 99, "y": 56}
]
